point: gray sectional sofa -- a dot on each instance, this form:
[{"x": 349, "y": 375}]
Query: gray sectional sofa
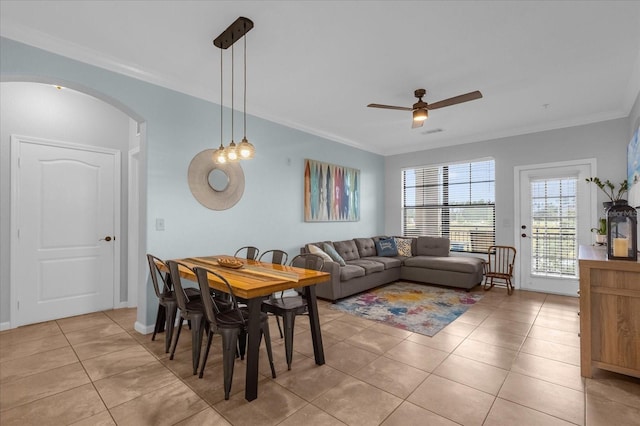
[{"x": 364, "y": 268}]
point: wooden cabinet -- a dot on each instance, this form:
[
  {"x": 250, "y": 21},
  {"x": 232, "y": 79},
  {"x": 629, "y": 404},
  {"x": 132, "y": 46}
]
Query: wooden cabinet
[{"x": 609, "y": 313}]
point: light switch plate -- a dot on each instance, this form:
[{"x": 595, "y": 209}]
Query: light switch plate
[{"x": 159, "y": 224}]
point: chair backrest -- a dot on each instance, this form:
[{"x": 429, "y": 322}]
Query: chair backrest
[
  {"x": 157, "y": 275},
  {"x": 174, "y": 271},
  {"x": 278, "y": 257},
  {"x": 501, "y": 259},
  {"x": 251, "y": 252},
  {"x": 211, "y": 308},
  {"x": 308, "y": 261}
]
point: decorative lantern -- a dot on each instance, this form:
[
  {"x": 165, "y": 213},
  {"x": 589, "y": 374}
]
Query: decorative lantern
[{"x": 622, "y": 232}]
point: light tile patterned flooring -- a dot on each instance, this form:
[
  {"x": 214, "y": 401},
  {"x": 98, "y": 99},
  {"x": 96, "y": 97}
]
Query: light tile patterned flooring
[{"x": 506, "y": 361}]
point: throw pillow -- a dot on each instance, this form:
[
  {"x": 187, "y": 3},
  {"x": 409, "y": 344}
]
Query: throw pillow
[
  {"x": 386, "y": 247},
  {"x": 404, "y": 246},
  {"x": 314, "y": 249},
  {"x": 334, "y": 254}
]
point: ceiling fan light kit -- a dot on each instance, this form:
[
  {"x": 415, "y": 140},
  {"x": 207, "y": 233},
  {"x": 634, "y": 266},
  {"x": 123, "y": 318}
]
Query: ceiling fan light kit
[
  {"x": 420, "y": 109},
  {"x": 420, "y": 114}
]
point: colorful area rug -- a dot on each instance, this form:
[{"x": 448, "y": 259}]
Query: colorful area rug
[{"x": 419, "y": 308}]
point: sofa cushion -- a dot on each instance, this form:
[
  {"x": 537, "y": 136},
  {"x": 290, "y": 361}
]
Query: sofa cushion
[
  {"x": 319, "y": 244},
  {"x": 347, "y": 249},
  {"x": 314, "y": 249},
  {"x": 366, "y": 246},
  {"x": 386, "y": 247},
  {"x": 404, "y": 246},
  {"x": 333, "y": 254},
  {"x": 388, "y": 262},
  {"x": 432, "y": 246},
  {"x": 469, "y": 265},
  {"x": 351, "y": 271},
  {"x": 369, "y": 266}
]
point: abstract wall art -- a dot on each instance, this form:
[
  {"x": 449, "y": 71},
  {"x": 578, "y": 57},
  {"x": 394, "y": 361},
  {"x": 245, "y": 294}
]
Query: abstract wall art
[{"x": 331, "y": 192}]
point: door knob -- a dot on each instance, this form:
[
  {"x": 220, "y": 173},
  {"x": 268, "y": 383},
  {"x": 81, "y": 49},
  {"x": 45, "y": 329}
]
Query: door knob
[{"x": 107, "y": 238}]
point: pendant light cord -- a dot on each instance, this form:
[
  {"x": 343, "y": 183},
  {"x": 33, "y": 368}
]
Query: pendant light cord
[
  {"x": 245, "y": 87},
  {"x": 221, "y": 99},
  {"x": 232, "y": 110}
]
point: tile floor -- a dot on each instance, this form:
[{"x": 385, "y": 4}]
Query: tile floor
[{"x": 507, "y": 360}]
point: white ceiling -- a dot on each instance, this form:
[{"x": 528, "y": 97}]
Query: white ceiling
[{"x": 315, "y": 65}]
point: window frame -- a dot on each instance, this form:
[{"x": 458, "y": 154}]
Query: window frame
[{"x": 477, "y": 241}]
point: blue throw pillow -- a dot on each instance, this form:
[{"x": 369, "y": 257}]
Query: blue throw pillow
[
  {"x": 333, "y": 254},
  {"x": 386, "y": 247}
]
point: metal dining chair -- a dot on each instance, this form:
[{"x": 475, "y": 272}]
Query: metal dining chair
[
  {"x": 251, "y": 252},
  {"x": 288, "y": 306},
  {"x": 230, "y": 321},
  {"x": 190, "y": 310},
  {"x": 279, "y": 257},
  {"x": 167, "y": 304},
  {"x": 499, "y": 266}
]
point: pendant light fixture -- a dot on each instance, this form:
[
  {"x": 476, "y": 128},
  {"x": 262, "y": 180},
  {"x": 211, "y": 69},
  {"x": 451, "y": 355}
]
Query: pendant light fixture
[
  {"x": 219, "y": 156},
  {"x": 245, "y": 150},
  {"x": 231, "y": 151}
]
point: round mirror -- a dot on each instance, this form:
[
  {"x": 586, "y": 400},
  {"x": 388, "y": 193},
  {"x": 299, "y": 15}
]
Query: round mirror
[{"x": 218, "y": 180}]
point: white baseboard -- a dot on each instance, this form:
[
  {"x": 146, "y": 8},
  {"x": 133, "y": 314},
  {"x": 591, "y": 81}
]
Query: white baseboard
[
  {"x": 5, "y": 326},
  {"x": 121, "y": 305},
  {"x": 143, "y": 329}
]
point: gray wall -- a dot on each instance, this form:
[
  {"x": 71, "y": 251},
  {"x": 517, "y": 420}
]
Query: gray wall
[
  {"x": 42, "y": 111},
  {"x": 634, "y": 117},
  {"x": 634, "y": 124},
  {"x": 175, "y": 128},
  {"x": 606, "y": 141}
]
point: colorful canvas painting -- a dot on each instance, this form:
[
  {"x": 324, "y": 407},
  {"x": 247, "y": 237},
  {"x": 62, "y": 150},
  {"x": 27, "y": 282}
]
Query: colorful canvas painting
[
  {"x": 633, "y": 169},
  {"x": 331, "y": 193}
]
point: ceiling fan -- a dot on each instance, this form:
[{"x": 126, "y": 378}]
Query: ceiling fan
[{"x": 421, "y": 108}]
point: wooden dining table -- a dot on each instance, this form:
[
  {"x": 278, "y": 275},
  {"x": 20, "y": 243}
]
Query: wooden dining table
[{"x": 254, "y": 282}]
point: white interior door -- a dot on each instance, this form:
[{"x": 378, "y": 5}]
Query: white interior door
[
  {"x": 64, "y": 205},
  {"x": 555, "y": 213}
]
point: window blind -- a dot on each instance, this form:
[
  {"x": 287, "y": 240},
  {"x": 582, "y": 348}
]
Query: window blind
[
  {"x": 554, "y": 235},
  {"x": 456, "y": 201}
]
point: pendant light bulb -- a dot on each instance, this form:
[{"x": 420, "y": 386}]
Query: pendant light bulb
[
  {"x": 219, "y": 155},
  {"x": 246, "y": 149},
  {"x": 231, "y": 152}
]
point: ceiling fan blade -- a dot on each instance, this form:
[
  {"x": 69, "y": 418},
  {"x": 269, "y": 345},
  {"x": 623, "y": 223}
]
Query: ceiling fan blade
[
  {"x": 416, "y": 124},
  {"x": 456, "y": 100},
  {"x": 390, "y": 107}
]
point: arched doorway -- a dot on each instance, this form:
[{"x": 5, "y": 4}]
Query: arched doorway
[{"x": 78, "y": 115}]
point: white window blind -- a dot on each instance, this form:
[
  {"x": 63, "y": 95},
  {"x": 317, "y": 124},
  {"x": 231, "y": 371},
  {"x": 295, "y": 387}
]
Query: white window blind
[
  {"x": 456, "y": 201},
  {"x": 554, "y": 234}
]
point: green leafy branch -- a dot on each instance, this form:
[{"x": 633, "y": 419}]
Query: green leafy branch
[
  {"x": 610, "y": 189},
  {"x": 602, "y": 227}
]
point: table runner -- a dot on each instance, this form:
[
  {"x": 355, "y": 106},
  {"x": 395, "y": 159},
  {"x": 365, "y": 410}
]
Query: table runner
[{"x": 255, "y": 271}]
